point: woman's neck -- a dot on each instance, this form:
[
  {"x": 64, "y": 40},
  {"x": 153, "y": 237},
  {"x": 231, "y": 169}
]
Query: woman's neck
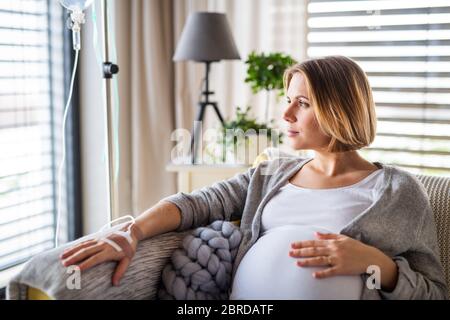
[{"x": 337, "y": 163}]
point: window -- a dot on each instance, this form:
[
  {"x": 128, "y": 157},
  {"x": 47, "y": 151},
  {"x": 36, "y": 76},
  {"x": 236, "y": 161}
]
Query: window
[
  {"x": 34, "y": 58},
  {"x": 404, "y": 47}
]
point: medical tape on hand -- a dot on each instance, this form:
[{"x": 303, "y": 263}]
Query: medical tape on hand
[{"x": 122, "y": 240}]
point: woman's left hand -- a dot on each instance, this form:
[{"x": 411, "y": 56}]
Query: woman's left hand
[{"x": 343, "y": 256}]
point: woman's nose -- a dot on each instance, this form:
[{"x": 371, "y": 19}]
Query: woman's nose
[{"x": 289, "y": 115}]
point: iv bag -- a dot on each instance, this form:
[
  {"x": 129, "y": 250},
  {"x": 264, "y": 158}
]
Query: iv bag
[{"x": 76, "y": 4}]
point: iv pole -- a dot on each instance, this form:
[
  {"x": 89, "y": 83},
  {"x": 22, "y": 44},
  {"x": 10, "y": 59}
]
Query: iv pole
[
  {"x": 77, "y": 18},
  {"x": 109, "y": 70}
]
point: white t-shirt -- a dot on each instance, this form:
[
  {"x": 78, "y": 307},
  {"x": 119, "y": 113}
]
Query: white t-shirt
[{"x": 294, "y": 214}]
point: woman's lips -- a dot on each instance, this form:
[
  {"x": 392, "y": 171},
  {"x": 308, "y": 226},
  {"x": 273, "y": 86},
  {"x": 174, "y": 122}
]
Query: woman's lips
[{"x": 292, "y": 133}]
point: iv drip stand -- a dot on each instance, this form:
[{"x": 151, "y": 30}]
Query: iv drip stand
[{"x": 109, "y": 69}]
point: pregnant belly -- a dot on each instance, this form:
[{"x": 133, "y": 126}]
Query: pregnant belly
[{"x": 268, "y": 272}]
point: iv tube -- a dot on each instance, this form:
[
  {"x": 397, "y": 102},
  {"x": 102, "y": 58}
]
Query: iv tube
[
  {"x": 77, "y": 17},
  {"x": 61, "y": 164}
]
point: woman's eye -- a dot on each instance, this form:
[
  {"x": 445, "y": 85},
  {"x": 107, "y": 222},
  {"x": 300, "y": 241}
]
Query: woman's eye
[{"x": 303, "y": 104}]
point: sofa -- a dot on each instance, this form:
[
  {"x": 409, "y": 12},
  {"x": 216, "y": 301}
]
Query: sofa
[{"x": 43, "y": 275}]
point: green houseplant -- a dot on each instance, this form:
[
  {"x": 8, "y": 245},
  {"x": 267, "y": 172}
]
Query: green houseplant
[{"x": 265, "y": 73}]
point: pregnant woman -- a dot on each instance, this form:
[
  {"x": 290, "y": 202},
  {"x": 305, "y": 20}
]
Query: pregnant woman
[{"x": 313, "y": 228}]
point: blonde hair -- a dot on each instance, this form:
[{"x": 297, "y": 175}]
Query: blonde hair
[{"x": 342, "y": 100}]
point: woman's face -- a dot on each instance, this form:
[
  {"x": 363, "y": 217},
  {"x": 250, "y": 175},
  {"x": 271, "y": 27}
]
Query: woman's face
[{"x": 302, "y": 127}]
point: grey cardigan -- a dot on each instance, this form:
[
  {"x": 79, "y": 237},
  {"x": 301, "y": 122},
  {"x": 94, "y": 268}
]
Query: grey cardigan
[{"x": 399, "y": 222}]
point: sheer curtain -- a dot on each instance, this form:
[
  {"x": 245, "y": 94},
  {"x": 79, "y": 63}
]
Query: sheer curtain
[{"x": 145, "y": 47}]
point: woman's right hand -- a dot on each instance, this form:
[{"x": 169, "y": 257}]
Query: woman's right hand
[{"x": 90, "y": 253}]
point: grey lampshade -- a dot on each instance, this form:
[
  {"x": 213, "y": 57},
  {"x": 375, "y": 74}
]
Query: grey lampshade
[{"x": 206, "y": 37}]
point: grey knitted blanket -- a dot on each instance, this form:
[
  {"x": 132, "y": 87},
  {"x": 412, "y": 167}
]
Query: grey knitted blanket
[{"x": 201, "y": 269}]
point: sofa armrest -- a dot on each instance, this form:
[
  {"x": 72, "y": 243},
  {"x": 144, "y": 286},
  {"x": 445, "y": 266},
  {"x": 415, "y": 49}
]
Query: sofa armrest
[{"x": 45, "y": 273}]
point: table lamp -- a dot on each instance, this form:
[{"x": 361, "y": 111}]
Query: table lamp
[{"x": 206, "y": 38}]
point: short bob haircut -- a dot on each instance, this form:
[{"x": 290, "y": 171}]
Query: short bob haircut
[{"x": 342, "y": 100}]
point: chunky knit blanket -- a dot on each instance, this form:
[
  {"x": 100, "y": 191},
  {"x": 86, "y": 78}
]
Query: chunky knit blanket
[{"x": 201, "y": 268}]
